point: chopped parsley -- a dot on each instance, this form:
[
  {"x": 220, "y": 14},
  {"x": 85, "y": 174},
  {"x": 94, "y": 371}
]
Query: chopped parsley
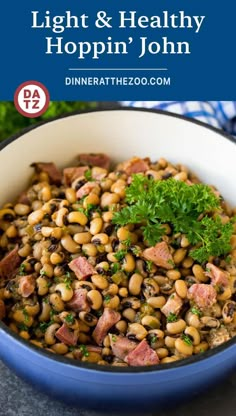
[
  {"x": 153, "y": 338},
  {"x": 149, "y": 264},
  {"x": 22, "y": 327},
  {"x": 68, "y": 280},
  {"x": 84, "y": 350},
  {"x": 70, "y": 319},
  {"x": 187, "y": 339},
  {"x": 188, "y": 210},
  {"x": 88, "y": 175},
  {"x": 115, "y": 267},
  {"x": 196, "y": 311},
  {"x": 22, "y": 270},
  {"x": 107, "y": 298},
  {"x": 43, "y": 326},
  {"x": 26, "y": 315},
  {"x": 127, "y": 242},
  {"x": 113, "y": 337},
  {"x": 172, "y": 317},
  {"x": 42, "y": 273},
  {"x": 120, "y": 254}
]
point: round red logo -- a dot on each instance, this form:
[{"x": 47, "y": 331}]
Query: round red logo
[{"x": 31, "y": 99}]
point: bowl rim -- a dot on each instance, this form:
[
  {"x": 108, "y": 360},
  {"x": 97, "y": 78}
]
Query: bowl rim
[{"x": 102, "y": 368}]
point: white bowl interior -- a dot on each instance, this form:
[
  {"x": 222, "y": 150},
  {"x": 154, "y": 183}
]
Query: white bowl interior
[{"x": 121, "y": 134}]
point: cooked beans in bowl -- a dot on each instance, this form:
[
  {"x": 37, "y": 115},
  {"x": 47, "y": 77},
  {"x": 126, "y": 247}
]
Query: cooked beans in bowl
[{"x": 132, "y": 265}]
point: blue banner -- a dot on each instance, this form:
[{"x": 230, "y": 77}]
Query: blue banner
[{"x": 120, "y": 50}]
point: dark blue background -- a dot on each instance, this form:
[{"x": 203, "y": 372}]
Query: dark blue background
[{"x": 208, "y": 73}]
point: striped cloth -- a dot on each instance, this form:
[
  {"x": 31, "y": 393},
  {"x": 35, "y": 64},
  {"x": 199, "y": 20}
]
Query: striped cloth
[{"x": 221, "y": 114}]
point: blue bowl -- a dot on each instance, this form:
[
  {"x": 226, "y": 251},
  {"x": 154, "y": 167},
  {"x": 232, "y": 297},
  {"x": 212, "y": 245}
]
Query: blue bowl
[{"x": 138, "y": 389}]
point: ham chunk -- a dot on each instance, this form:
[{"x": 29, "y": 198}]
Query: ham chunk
[
  {"x": 218, "y": 277},
  {"x": 26, "y": 285},
  {"x": 203, "y": 295},
  {"x": 143, "y": 354},
  {"x": 78, "y": 302},
  {"x": 159, "y": 255},
  {"x": 9, "y": 264},
  {"x": 81, "y": 267},
  {"x": 134, "y": 165},
  {"x": 2, "y": 310},
  {"x": 66, "y": 335},
  {"x": 86, "y": 189},
  {"x": 95, "y": 159},
  {"x": 173, "y": 305},
  {"x": 105, "y": 322},
  {"x": 70, "y": 174},
  {"x": 50, "y": 168},
  {"x": 121, "y": 346}
]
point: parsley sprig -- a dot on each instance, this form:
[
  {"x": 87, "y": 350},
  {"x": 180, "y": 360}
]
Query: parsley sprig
[{"x": 188, "y": 209}]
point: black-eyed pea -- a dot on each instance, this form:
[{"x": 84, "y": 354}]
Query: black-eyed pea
[
  {"x": 91, "y": 199},
  {"x": 83, "y": 237},
  {"x": 21, "y": 316},
  {"x": 88, "y": 318},
  {"x": 69, "y": 355},
  {"x": 83, "y": 327},
  {"x": 56, "y": 302},
  {"x": 59, "y": 217},
  {"x": 157, "y": 302},
  {"x": 199, "y": 273},
  {"x": 107, "y": 216},
  {"x": 46, "y": 231},
  {"x": 49, "y": 335},
  {"x": 47, "y": 270},
  {"x": 181, "y": 176},
  {"x": 111, "y": 256},
  {"x": 123, "y": 234},
  {"x": 11, "y": 231},
  {"x": 193, "y": 334},
  {"x": 176, "y": 327},
  {"x": 173, "y": 274},
  {"x": 150, "y": 322},
  {"x": 56, "y": 258},
  {"x": 150, "y": 287},
  {"x": 112, "y": 290},
  {"x": 123, "y": 292},
  {"x": 69, "y": 244},
  {"x": 137, "y": 331},
  {"x": 93, "y": 357},
  {"x": 77, "y": 217},
  {"x": 111, "y": 302},
  {"x": 45, "y": 194},
  {"x": 179, "y": 255},
  {"x": 183, "y": 348},
  {"x": 106, "y": 341},
  {"x": 184, "y": 242},
  {"x": 21, "y": 209},
  {"x": 233, "y": 241},
  {"x": 128, "y": 263},
  {"x": 135, "y": 283},
  {"x": 100, "y": 238},
  {"x": 202, "y": 347},
  {"x": 168, "y": 360},
  {"x": 25, "y": 250},
  {"x": 32, "y": 310},
  {"x": 229, "y": 311},
  {"x": 95, "y": 299},
  {"x": 181, "y": 288},
  {"x": 99, "y": 281},
  {"x": 106, "y": 350},
  {"x": 129, "y": 314},
  {"x": 70, "y": 194},
  {"x": 225, "y": 295},
  {"x": 24, "y": 335},
  {"x": 89, "y": 249},
  {"x": 13, "y": 327},
  {"x": 170, "y": 342},
  {"x": 192, "y": 319},
  {"x": 83, "y": 338},
  {"x": 45, "y": 312},
  {"x": 131, "y": 302},
  {"x": 162, "y": 352},
  {"x": 65, "y": 290},
  {"x": 121, "y": 326},
  {"x": 36, "y": 217},
  {"x": 96, "y": 226},
  {"x": 108, "y": 199},
  {"x": 60, "y": 348},
  {"x": 210, "y": 322},
  {"x": 187, "y": 262},
  {"x": 56, "y": 233}
]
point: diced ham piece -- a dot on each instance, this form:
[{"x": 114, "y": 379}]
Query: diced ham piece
[
  {"x": 105, "y": 322},
  {"x": 218, "y": 277},
  {"x": 81, "y": 267},
  {"x": 86, "y": 189},
  {"x": 50, "y": 168},
  {"x": 121, "y": 346},
  {"x": 134, "y": 165},
  {"x": 143, "y": 354},
  {"x": 173, "y": 305},
  {"x": 70, "y": 174},
  {"x": 202, "y": 294},
  {"x": 78, "y": 302},
  {"x": 66, "y": 335},
  {"x": 23, "y": 199},
  {"x": 2, "y": 310},
  {"x": 95, "y": 159},
  {"x": 160, "y": 255},
  {"x": 26, "y": 285},
  {"x": 9, "y": 264}
]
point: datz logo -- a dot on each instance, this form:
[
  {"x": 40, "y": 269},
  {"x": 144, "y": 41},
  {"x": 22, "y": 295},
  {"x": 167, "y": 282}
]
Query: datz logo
[{"x": 141, "y": 45}]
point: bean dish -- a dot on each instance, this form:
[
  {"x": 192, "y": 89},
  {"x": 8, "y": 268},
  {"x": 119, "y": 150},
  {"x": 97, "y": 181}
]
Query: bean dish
[{"x": 132, "y": 265}]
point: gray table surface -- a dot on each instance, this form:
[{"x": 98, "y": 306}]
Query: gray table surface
[{"x": 19, "y": 399}]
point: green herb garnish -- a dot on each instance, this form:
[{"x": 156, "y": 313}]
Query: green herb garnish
[
  {"x": 68, "y": 280},
  {"x": 43, "y": 326},
  {"x": 107, "y": 298},
  {"x": 120, "y": 254},
  {"x": 22, "y": 270},
  {"x": 42, "y": 273},
  {"x": 70, "y": 319},
  {"x": 26, "y": 315},
  {"x": 149, "y": 264},
  {"x": 153, "y": 338},
  {"x": 88, "y": 175},
  {"x": 127, "y": 242},
  {"x": 196, "y": 311},
  {"x": 187, "y": 339},
  {"x": 113, "y": 337},
  {"x": 115, "y": 267},
  {"x": 172, "y": 317},
  {"x": 84, "y": 350},
  {"x": 187, "y": 209},
  {"x": 22, "y": 327}
]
